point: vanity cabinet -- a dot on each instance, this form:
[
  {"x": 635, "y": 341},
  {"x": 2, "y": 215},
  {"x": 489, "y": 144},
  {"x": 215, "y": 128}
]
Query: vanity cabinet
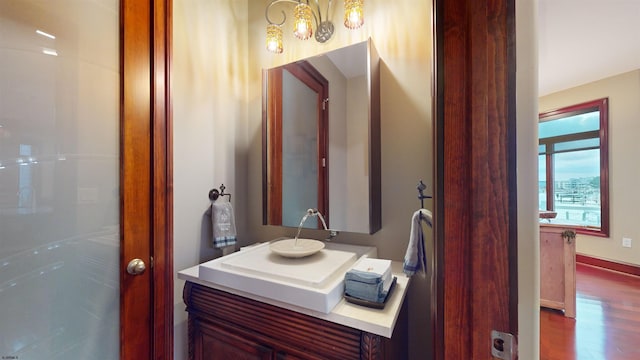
[
  {"x": 222, "y": 325},
  {"x": 558, "y": 269}
]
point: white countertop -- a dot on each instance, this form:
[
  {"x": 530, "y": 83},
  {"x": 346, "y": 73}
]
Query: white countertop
[{"x": 376, "y": 321}]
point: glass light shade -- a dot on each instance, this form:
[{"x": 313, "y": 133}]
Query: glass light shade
[
  {"x": 353, "y": 13},
  {"x": 302, "y": 24},
  {"x": 274, "y": 38}
]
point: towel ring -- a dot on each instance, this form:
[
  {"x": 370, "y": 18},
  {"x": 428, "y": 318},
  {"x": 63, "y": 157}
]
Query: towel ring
[{"x": 214, "y": 194}]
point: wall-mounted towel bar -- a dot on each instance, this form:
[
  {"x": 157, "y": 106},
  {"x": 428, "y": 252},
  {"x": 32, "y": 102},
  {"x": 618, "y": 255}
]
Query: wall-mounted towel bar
[
  {"x": 421, "y": 195},
  {"x": 214, "y": 194}
]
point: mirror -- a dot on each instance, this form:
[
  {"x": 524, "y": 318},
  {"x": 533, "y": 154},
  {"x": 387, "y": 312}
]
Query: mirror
[{"x": 321, "y": 140}]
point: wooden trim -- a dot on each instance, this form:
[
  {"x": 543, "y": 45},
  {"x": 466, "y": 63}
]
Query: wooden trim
[
  {"x": 627, "y": 268},
  {"x": 604, "y": 164},
  {"x": 146, "y": 305},
  {"x": 135, "y": 180},
  {"x": 437, "y": 99},
  {"x": 549, "y": 180},
  {"x": 375, "y": 150},
  {"x": 552, "y": 304},
  {"x": 272, "y": 147},
  {"x": 265, "y": 141},
  {"x": 162, "y": 246},
  {"x": 476, "y": 227}
]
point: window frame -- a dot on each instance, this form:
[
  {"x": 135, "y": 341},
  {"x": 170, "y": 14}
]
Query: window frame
[{"x": 602, "y": 106}]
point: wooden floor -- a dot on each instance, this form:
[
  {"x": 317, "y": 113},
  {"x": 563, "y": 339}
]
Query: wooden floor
[{"x": 607, "y": 323}]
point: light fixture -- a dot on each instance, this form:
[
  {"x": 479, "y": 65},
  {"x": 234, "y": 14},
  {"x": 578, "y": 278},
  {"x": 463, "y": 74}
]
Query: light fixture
[
  {"x": 353, "y": 13},
  {"x": 302, "y": 24}
]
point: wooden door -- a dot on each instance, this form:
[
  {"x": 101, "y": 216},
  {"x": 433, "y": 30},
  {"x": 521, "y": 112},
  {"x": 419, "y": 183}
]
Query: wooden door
[
  {"x": 475, "y": 193},
  {"x": 146, "y": 300}
]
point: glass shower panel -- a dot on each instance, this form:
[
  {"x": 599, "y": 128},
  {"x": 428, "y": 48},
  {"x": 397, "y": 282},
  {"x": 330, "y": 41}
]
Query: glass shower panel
[{"x": 59, "y": 179}]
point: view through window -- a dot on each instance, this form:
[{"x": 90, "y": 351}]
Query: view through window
[{"x": 573, "y": 166}]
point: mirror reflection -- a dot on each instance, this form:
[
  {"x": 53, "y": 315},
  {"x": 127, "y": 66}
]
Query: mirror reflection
[{"x": 321, "y": 140}]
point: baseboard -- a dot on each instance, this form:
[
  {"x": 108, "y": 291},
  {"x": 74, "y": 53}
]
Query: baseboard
[{"x": 608, "y": 264}]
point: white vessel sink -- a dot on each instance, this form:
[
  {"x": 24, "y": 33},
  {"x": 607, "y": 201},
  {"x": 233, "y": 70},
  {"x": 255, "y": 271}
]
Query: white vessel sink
[{"x": 314, "y": 282}]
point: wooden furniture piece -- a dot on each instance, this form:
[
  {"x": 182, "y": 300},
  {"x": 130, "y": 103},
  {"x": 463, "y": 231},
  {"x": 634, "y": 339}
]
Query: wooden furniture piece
[
  {"x": 558, "y": 268},
  {"x": 222, "y": 325}
]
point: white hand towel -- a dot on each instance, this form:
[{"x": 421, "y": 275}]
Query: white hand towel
[
  {"x": 223, "y": 224},
  {"x": 415, "y": 258}
]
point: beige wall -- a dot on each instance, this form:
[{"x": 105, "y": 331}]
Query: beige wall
[
  {"x": 209, "y": 130},
  {"x": 217, "y": 60},
  {"x": 623, "y": 92},
  {"x": 527, "y": 181}
]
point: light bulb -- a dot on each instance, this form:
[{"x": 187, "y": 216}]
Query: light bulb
[
  {"x": 353, "y": 13},
  {"x": 274, "y": 38},
  {"x": 302, "y": 25}
]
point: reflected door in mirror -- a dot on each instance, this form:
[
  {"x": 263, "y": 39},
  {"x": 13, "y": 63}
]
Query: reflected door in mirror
[
  {"x": 347, "y": 137},
  {"x": 297, "y": 147}
]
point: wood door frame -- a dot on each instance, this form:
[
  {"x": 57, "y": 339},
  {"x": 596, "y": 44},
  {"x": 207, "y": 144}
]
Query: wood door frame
[
  {"x": 475, "y": 288},
  {"x": 146, "y": 193}
]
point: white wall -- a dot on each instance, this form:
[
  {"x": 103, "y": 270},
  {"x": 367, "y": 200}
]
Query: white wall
[{"x": 623, "y": 92}]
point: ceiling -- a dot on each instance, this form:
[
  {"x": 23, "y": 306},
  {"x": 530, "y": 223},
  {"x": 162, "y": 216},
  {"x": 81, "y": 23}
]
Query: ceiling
[{"x": 580, "y": 41}]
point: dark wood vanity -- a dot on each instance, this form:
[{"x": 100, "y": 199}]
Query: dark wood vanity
[{"x": 222, "y": 325}]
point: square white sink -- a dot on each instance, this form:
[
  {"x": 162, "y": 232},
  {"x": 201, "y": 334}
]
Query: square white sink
[{"x": 315, "y": 282}]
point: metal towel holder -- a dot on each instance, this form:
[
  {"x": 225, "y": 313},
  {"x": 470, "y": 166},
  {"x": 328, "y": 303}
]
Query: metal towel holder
[
  {"x": 421, "y": 195},
  {"x": 214, "y": 194}
]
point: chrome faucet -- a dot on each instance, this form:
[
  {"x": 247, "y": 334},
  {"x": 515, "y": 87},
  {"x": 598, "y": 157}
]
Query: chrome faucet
[{"x": 314, "y": 212}]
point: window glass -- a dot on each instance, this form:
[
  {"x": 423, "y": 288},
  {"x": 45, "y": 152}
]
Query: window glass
[
  {"x": 577, "y": 187},
  {"x": 542, "y": 182},
  {"x": 569, "y": 125},
  {"x": 577, "y": 145}
]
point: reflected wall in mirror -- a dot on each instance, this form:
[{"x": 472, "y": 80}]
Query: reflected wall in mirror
[{"x": 321, "y": 140}]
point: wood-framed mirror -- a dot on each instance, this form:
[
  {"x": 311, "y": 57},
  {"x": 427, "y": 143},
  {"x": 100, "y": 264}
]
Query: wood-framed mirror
[{"x": 321, "y": 140}]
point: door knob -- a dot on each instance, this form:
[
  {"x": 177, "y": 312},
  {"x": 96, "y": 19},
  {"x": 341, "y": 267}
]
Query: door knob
[{"x": 136, "y": 267}]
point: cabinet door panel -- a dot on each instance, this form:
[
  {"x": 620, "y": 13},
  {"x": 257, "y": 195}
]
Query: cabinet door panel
[
  {"x": 214, "y": 343},
  {"x": 296, "y": 355}
]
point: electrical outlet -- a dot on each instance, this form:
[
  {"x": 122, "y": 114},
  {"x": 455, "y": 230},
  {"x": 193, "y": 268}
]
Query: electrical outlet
[{"x": 626, "y": 242}]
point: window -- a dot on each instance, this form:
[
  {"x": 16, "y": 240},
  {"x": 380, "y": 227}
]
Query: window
[{"x": 573, "y": 166}]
